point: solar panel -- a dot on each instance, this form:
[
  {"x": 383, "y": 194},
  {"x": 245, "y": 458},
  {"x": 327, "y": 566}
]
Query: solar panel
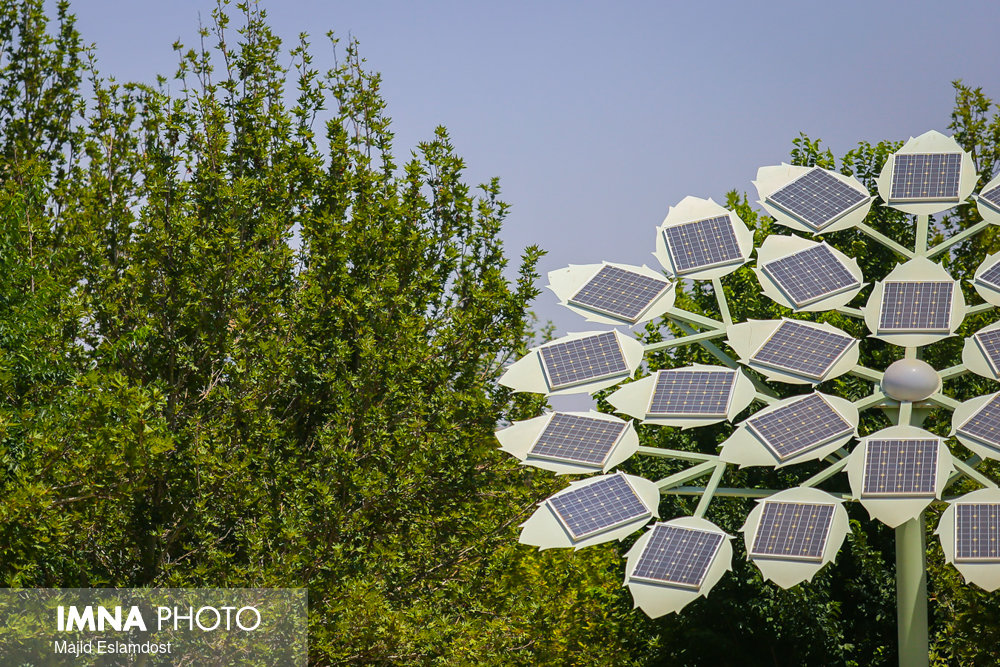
[
  {"x": 677, "y": 556},
  {"x": 991, "y": 277},
  {"x": 607, "y": 503},
  {"x": 900, "y": 467},
  {"x": 683, "y": 392},
  {"x": 817, "y": 198},
  {"x": 619, "y": 293},
  {"x": 583, "y": 360},
  {"x": 803, "y": 350},
  {"x": 793, "y": 530},
  {"x": 984, "y": 425},
  {"x": 992, "y": 198},
  {"x": 702, "y": 244},
  {"x": 577, "y": 439},
  {"x": 925, "y": 177},
  {"x": 799, "y": 426},
  {"x": 810, "y": 275},
  {"x": 916, "y": 306},
  {"x": 989, "y": 344},
  {"x": 977, "y": 532}
]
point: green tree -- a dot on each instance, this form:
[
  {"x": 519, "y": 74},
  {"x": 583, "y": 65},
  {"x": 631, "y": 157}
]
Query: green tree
[{"x": 249, "y": 348}]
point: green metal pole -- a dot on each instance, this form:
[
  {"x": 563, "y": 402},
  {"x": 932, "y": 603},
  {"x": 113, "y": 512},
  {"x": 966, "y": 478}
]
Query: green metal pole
[{"x": 911, "y": 593}]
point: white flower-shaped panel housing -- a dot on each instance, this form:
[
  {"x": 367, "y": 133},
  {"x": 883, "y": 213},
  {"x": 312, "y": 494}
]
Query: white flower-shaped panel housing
[
  {"x": 806, "y": 276},
  {"x": 968, "y": 530},
  {"x": 613, "y": 293},
  {"x": 988, "y": 202},
  {"x": 579, "y": 363},
  {"x": 577, "y": 443},
  {"x": 591, "y": 511},
  {"x": 981, "y": 352},
  {"x": 793, "y": 430},
  {"x": 898, "y": 471},
  {"x": 696, "y": 395},
  {"x": 918, "y": 303},
  {"x": 793, "y": 351},
  {"x": 676, "y": 562},
  {"x": 811, "y": 199},
  {"x": 976, "y": 424},
  {"x": 987, "y": 279},
  {"x": 700, "y": 240},
  {"x": 792, "y": 535},
  {"x": 929, "y": 174}
]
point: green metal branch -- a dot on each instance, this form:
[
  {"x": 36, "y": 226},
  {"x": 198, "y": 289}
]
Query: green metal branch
[
  {"x": 694, "y": 318},
  {"x": 871, "y": 401},
  {"x": 720, "y": 298},
  {"x": 972, "y": 473},
  {"x": 730, "y": 492},
  {"x": 851, "y": 312},
  {"x": 885, "y": 240},
  {"x": 713, "y": 484},
  {"x": 826, "y": 473},
  {"x": 685, "y": 340},
  {"x": 953, "y": 371},
  {"x": 979, "y": 308},
  {"x": 686, "y": 475},
  {"x": 957, "y": 238},
  {"x": 943, "y": 401},
  {"x": 676, "y": 454},
  {"x": 920, "y": 245},
  {"x": 866, "y": 373}
]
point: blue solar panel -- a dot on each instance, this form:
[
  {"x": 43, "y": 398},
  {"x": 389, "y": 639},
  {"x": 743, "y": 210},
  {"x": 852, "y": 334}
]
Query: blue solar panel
[
  {"x": 692, "y": 392},
  {"x": 984, "y": 424},
  {"x": 991, "y": 276},
  {"x": 989, "y": 344},
  {"x": 925, "y": 177},
  {"x": 619, "y": 293},
  {"x": 677, "y": 556},
  {"x": 901, "y": 467},
  {"x": 916, "y": 306},
  {"x": 583, "y": 360},
  {"x": 577, "y": 439},
  {"x": 607, "y": 503},
  {"x": 992, "y": 198},
  {"x": 817, "y": 198},
  {"x": 977, "y": 532},
  {"x": 810, "y": 275},
  {"x": 702, "y": 244},
  {"x": 799, "y": 426},
  {"x": 796, "y": 531},
  {"x": 802, "y": 349}
]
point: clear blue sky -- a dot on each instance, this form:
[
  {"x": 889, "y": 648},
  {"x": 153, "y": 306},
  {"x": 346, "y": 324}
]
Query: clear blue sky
[{"x": 598, "y": 116}]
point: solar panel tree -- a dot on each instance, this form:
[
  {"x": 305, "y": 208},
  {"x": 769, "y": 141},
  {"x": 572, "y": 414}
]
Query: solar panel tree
[{"x": 895, "y": 472}]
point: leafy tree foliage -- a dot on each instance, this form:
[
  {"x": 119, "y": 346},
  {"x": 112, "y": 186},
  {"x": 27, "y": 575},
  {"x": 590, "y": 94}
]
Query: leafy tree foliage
[{"x": 243, "y": 346}]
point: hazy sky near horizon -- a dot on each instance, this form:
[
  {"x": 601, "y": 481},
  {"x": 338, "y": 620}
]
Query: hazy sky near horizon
[{"x": 598, "y": 116}]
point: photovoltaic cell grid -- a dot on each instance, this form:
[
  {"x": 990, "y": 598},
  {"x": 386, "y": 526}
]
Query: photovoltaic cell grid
[
  {"x": 619, "y": 293},
  {"x": 702, "y": 244},
  {"x": 692, "y": 393},
  {"x": 903, "y": 467},
  {"x": 992, "y": 198},
  {"x": 607, "y": 503},
  {"x": 577, "y": 439},
  {"x": 799, "y": 426},
  {"x": 583, "y": 360},
  {"x": 810, "y": 275},
  {"x": 677, "y": 556},
  {"x": 991, "y": 277},
  {"x": 793, "y": 530},
  {"x": 989, "y": 344},
  {"x": 802, "y": 349},
  {"x": 925, "y": 177},
  {"x": 977, "y": 532},
  {"x": 817, "y": 198},
  {"x": 916, "y": 306},
  {"x": 984, "y": 425}
]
